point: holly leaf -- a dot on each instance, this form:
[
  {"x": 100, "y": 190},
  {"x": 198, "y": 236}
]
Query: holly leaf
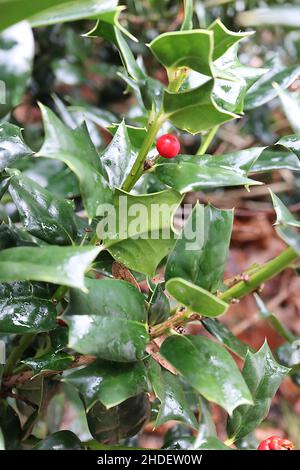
[
  {"x": 133, "y": 234},
  {"x": 225, "y": 336},
  {"x": 44, "y": 215},
  {"x": 195, "y": 110},
  {"x": 286, "y": 224},
  {"x": 50, "y": 361},
  {"x": 195, "y": 298},
  {"x": 159, "y": 305},
  {"x": 209, "y": 368},
  {"x": 223, "y": 38},
  {"x": 263, "y": 376},
  {"x": 72, "y": 11},
  {"x": 109, "y": 28},
  {"x": 76, "y": 150},
  {"x": 275, "y": 157},
  {"x": 213, "y": 443},
  {"x": 108, "y": 382},
  {"x": 15, "y": 63},
  {"x": 120, "y": 422},
  {"x": 108, "y": 326},
  {"x": 26, "y": 307},
  {"x": 263, "y": 91},
  {"x": 174, "y": 403},
  {"x": 187, "y": 173},
  {"x": 55, "y": 264},
  {"x": 291, "y": 142},
  {"x": 10, "y": 426},
  {"x": 192, "y": 49},
  {"x": 60, "y": 440},
  {"x": 12, "y": 145},
  {"x": 118, "y": 157},
  {"x": 201, "y": 259}
]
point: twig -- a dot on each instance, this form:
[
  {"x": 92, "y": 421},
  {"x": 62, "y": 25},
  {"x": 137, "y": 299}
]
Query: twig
[{"x": 15, "y": 380}]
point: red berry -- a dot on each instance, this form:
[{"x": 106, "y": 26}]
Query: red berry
[
  {"x": 168, "y": 146},
  {"x": 276, "y": 443}
]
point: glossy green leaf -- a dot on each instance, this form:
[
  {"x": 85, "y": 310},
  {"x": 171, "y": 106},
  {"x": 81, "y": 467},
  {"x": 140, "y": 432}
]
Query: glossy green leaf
[
  {"x": 159, "y": 305},
  {"x": 17, "y": 10},
  {"x": 52, "y": 360},
  {"x": 289, "y": 355},
  {"x": 75, "y": 149},
  {"x": 12, "y": 145},
  {"x": 140, "y": 235},
  {"x": 192, "y": 49},
  {"x": 60, "y": 440},
  {"x": 209, "y": 368},
  {"x": 291, "y": 107},
  {"x": 225, "y": 336},
  {"x": 107, "y": 325},
  {"x": 109, "y": 28},
  {"x": 224, "y": 38},
  {"x": 201, "y": 259},
  {"x": 108, "y": 382},
  {"x": 229, "y": 67},
  {"x": 136, "y": 134},
  {"x": 195, "y": 110},
  {"x": 119, "y": 422},
  {"x": 11, "y": 236},
  {"x": 286, "y": 224},
  {"x": 53, "y": 175},
  {"x": 118, "y": 157},
  {"x": 206, "y": 428},
  {"x": 195, "y": 298},
  {"x": 10, "y": 426},
  {"x": 291, "y": 142},
  {"x": 187, "y": 173},
  {"x": 44, "y": 215},
  {"x": 263, "y": 91},
  {"x": 230, "y": 94},
  {"x": 263, "y": 376},
  {"x": 212, "y": 443},
  {"x": 55, "y": 264},
  {"x": 174, "y": 404},
  {"x": 233, "y": 79},
  {"x": 4, "y": 184},
  {"x": 72, "y": 11},
  {"x": 275, "y": 158},
  {"x": 26, "y": 307},
  {"x": 15, "y": 64},
  {"x": 178, "y": 438},
  {"x": 284, "y": 216}
]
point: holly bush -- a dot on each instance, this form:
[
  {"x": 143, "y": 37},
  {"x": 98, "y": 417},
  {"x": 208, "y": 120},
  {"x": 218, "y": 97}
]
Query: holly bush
[{"x": 103, "y": 274}]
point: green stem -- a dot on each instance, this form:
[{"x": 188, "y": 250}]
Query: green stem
[
  {"x": 17, "y": 353},
  {"x": 262, "y": 274},
  {"x": 59, "y": 293},
  {"x": 138, "y": 166},
  {"x": 281, "y": 329},
  {"x": 207, "y": 141}
]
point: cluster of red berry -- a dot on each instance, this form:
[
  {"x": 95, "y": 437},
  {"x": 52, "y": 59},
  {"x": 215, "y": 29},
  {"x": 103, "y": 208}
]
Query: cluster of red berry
[{"x": 276, "y": 443}]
